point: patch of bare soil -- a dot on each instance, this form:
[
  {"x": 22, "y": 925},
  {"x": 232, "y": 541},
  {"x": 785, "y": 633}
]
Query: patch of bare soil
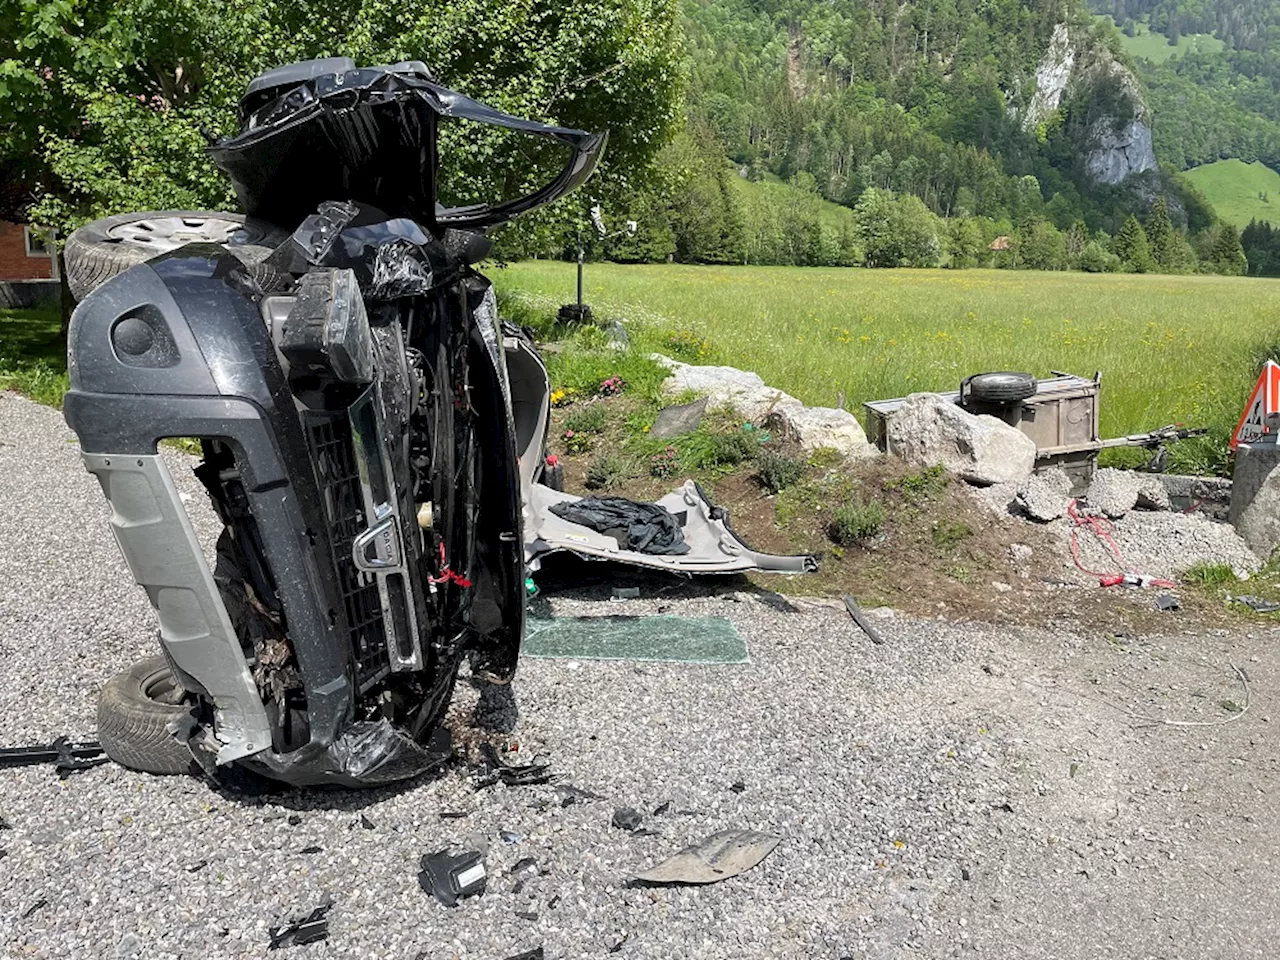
[{"x": 938, "y": 553}]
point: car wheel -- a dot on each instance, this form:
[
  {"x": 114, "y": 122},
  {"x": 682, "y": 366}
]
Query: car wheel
[
  {"x": 999, "y": 388},
  {"x": 108, "y": 247},
  {"x": 135, "y": 709}
]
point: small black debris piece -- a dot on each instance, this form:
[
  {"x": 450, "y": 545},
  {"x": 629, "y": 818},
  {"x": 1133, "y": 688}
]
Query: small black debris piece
[
  {"x": 618, "y": 942},
  {"x": 534, "y": 954},
  {"x": 718, "y": 857},
  {"x": 624, "y": 818},
  {"x": 526, "y": 775},
  {"x": 530, "y": 915},
  {"x": 645, "y": 833},
  {"x": 1166, "y": 602},
  {"x": 4, "y": 824},
  {"x": 662, "y": 808},
  {"x": 1257, "y": 604},
  {"x": 294, "y": 819},
  {"x": 67, "y": 757},
  {"x": 964, "y": 874},
  {"x": 365, "y": 822},
  {"x": 453, "y": 815},
  {"x": 860, "y": 619},
  {"x": 42, "y": 902},
  {"x": 738, "y": 786},
  {"x": 450, "y": 878},
  {"x": 1005, "y": 807},
  {"x": 311, "y": 850},
  {"x": 309, "y": 929},
  {"x": 551, "y": 904},
  {"x": 523, "y": 865},
  {"x": 197, "y": 866},
  {"x": 570, "y": 794}
]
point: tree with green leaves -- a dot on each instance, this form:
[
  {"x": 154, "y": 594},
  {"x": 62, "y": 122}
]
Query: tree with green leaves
[
  {"x": 104, "y": 103},
  {"x": 1162, "y": 238},
  {"x": 1227, "y": 256},
  {"x": 1130, "y": 245}
]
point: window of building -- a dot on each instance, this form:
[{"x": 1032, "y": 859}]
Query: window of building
[{"x": 37, "y": 242}]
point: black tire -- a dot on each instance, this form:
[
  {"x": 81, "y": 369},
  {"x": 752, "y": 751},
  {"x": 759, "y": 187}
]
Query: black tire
[
  {"x": 1002, "y": 388},
  {"x": 135, "y": 709},
  {"x": 108, "y": 247}
]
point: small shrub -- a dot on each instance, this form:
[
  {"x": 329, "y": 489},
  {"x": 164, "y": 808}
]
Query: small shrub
[
  {"x": 777, "y": 471},
  {"x": 576, "y": 442},
  {"x": 856, "y": 521},
  {"x": 665, "y": 464},
  {"x": 607, "y": 471},
  {"x": 588, "y": 418},
  {"x": 732, "y": 448},
  {"x": 921, "y": 486},
  {"x": 612, "y": 386},
  {"x": 1210, "y": 574},
  {"x": 950, "y": 533},
  {"x": 687, "y": 346}
]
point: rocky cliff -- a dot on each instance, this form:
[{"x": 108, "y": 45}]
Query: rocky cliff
[{"x": 1109, "y": 116}]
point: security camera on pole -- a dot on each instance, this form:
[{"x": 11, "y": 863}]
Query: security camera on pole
[{"x": 580, "y": 312}]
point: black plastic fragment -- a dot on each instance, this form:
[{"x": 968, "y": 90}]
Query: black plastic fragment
[
  {"x": 738, "y": 786},
  {"x": 66, "y": 757},
  {"x": 625, "y": 818},
  {"x": 453, "y": 815},
  {"x": 534, "y": 954},
  {"x": 294, "y": 819},
  {"x": 308, "y": 929},
  {"x": 1166, "y": 602},
  {"x": 1257, "y": 604},
  {"x": 311, "y": 850},
  {"x": 450, "y": 878},
  {"x": 525, "y": 775},
  {"x": 197, "y": 866},
  {"x": 570, "y": 794},
  {"x": 524, "y": 864},
  {"x": 662, "y": 808},
  {"x": 365, "y": 822},
  {"x": 530, "y": 915},
  {"x": 42, "y": 902}
]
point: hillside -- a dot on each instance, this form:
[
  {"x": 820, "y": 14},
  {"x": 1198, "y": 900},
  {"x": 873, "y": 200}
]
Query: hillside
[{"x": 1239, "y": 191}]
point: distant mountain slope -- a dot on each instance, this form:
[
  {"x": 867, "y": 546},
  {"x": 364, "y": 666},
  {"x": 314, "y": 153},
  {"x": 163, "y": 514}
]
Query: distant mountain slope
[
  {"x": 1239, "y": 191},
  {"x": 1000, "y": 108}
]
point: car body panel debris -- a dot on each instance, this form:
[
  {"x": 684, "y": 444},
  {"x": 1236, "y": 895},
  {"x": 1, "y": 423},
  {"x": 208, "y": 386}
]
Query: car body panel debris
[
  {"x": 711, "y": 546},
  {"x": 718, "y": 857},
  {"x": 1257, "y": 604},
  {"x": 308, "y": 929},
  {"x": 453, "y": 877}
]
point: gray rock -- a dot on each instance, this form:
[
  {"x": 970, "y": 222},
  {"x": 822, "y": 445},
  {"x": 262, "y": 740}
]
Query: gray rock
[
  {"x": 1114, "y": 492},
  {"x": 681, "y": 419},
  {"x": 1117, "y": 152},
  {"x": 128, "y": 946},
  {"x": 1044, "y": 496},
  {"x": 928, "y": 429},
  {"x": 1152, "y": 494},
  {"x": 752, "y": 398},
  {"x": 1259, "y": 523}
]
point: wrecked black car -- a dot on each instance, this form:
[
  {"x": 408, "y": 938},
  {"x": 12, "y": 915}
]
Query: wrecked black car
[{"x": 373, "y": 437}]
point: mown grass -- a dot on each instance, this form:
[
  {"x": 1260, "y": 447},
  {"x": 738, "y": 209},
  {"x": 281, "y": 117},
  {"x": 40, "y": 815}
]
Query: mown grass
[
  {"x": 1236, "y": 190},
  {"x": 1170, "y": 349},
  {"x": 33, "y": 359}
]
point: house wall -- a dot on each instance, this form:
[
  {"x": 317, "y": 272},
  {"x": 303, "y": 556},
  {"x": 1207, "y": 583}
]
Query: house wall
[{"x": 14, "y": 262}]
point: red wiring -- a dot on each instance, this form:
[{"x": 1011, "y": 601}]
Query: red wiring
[
  {"x": 1102, "y": 528},
  {"x": 447, "y": 575}
]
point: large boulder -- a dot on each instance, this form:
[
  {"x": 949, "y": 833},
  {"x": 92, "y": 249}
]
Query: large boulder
[
  {"x": 752, "y": 398},
  {"x": 928, "y": 429}
]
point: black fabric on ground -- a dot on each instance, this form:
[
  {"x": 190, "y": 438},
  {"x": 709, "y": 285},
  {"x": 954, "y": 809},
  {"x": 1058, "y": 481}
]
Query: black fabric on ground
[{"x": 642, "y": 527}]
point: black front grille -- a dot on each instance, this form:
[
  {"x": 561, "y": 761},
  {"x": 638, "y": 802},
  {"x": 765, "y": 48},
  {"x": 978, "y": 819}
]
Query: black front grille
[{"x": 344, "y": 508}]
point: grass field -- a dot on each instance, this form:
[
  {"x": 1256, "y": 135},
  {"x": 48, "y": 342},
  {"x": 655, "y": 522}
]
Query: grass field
[
  {"x": 1183, "y": 349},
  {"x": 33, "y": 358},
  {"x": 1235, "y": 188},
  {"x": 1155, "y": 46}
]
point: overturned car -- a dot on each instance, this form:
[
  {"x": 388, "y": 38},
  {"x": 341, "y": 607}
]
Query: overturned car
[{"x": 373, "y": 437}]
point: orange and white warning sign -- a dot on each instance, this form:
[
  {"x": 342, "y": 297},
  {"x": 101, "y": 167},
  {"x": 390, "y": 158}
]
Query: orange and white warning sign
[{"x": 1264, "y": 400}]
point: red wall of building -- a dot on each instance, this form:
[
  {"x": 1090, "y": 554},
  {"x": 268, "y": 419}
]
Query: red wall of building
[{"x": 14, "y": 262}]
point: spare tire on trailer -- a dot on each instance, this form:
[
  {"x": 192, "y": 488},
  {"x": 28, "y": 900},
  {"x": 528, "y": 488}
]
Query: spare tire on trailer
[
  {"x": 135, "y": 709},
  {"x": 105, "y": 248},
  {"x": 1002, "y": 389}
]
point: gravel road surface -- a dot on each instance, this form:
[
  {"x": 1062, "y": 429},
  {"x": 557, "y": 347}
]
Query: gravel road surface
[{"x": 962, "y": 790}]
